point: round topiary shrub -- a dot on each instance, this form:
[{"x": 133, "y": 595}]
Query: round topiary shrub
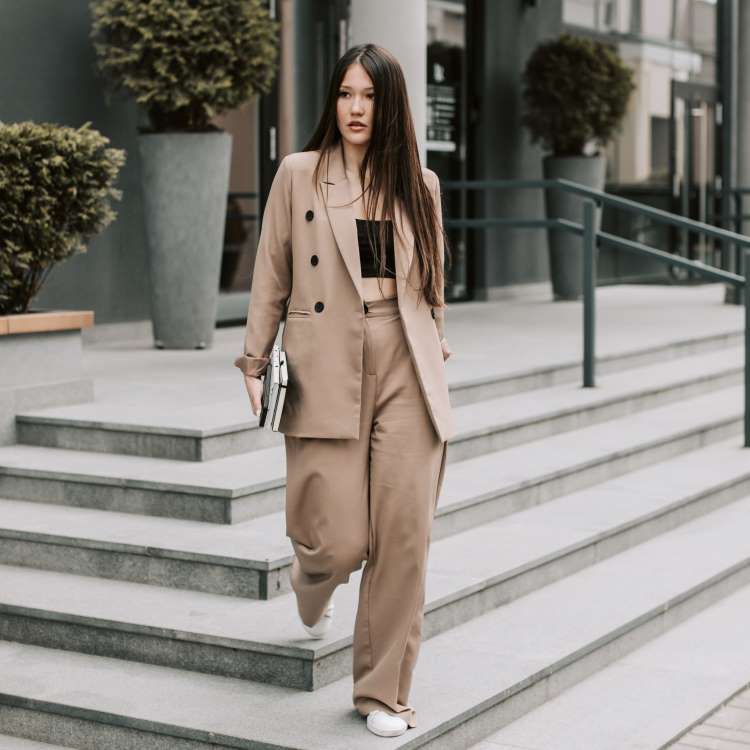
[
  {"x": 185, "y": 61},
  {"x": 56, "y": 183},
  {"x": 575, "y": 90}
]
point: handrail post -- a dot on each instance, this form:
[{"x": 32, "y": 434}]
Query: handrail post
[
  {"x": 746, "y": 295},
  {"x": 589, "y": 295},
  {"x": 738, "y": 209},
  {"x": 738, "y": 250}
]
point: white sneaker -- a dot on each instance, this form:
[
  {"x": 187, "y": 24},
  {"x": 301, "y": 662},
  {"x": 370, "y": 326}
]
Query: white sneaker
[
  {"x": 384, "y": 724},
  {"x": 323, "y": 625}
]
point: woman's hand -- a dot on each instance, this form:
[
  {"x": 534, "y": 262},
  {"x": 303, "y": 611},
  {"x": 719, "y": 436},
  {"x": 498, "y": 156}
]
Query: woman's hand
[
  {"x": 255, "y": 391},
  {"x": 446, "y": 349}
]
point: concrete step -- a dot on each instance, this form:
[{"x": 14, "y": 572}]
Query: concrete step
[
  {"x": 235, "y": 488},
  {"x": 203, "y": 433},
  {"x": 468, "y": 574},
  {"x": 197, "y": 432},
  {"x": 558, "y": 369},
  {"x": 220, "y": 491},
  {"x": 510, "y": 420},
  {"x": 650, "y": 697},
  {"x": 252, "y": 559},
  {"x": 16, "y": 743},
  {"x": 470, "y": 680}
]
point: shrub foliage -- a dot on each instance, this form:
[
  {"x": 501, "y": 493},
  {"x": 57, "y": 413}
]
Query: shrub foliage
[
  {"x": 575, "y": 90},
  {"x": 56, "y": 183},
  {"x": 185, "y": 61}
]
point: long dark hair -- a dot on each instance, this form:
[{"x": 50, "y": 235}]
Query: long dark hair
[{"x": 393, "y": 160}]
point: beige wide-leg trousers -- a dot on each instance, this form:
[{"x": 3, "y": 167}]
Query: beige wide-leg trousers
[{"x": 371, "y": 498}]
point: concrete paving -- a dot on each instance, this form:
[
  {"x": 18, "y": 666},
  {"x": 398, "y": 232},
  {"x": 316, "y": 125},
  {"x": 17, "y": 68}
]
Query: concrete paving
[
  {"x": 501, "y": 337},
  {"x": 640, "y": 701},
  {"x": 726, "y": 728}
]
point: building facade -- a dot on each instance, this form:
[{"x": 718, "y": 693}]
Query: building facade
[{"x": 681, "y": 142}]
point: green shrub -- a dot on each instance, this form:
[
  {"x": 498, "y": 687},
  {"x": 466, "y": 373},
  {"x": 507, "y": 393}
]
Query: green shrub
[
  {"x": 55, "y": 190},
  {"x": 574, "y": 90},
  {"x": 185, "y": 61}
]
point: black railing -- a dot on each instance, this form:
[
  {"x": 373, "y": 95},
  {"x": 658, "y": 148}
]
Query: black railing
[{"x": 590, "y": 236}]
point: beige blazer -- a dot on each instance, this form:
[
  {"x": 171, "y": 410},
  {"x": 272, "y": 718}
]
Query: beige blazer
[{"x": 308, "y": 259}]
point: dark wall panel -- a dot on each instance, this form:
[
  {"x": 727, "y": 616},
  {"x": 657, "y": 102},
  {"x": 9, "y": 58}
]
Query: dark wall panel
[
  {"x": 47, "y": 73},
  {"x": 502, "y": 36}
]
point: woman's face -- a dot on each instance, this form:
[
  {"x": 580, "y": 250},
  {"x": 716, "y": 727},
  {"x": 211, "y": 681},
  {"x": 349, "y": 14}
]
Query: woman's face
[{"x": 355, "y": 104}]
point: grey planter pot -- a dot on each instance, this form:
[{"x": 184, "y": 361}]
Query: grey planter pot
[
  {"x": 566, "y": 248},
  {"x": 184, "y": 180}
]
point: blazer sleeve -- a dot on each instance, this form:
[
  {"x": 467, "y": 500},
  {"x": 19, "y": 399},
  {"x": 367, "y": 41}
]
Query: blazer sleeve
[
  {"x": 271, "y": 283},
  {"x": 439, "y": 311}
]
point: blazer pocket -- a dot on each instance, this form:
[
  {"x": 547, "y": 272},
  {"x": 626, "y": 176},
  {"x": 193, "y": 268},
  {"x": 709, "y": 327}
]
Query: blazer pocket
[{"x": 298, "y": 313}]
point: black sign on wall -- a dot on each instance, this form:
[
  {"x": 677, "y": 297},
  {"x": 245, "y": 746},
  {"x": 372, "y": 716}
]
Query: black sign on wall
[{"x": 443, "y": 80}]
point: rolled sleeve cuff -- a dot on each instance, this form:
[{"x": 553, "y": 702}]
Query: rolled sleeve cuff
[{"x": 254, "y": 366}]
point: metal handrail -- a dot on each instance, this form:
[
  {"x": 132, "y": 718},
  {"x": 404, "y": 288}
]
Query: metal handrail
[
  {"x": 601, "y": 197},
  {"x": 592, "y": 198}
]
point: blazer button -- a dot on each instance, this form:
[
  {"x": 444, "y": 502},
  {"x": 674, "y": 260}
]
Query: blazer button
[
  {"x": 319, "y": 307},
  {"x": 314, "y": 260},
  {"x": 309, "y": 215}
]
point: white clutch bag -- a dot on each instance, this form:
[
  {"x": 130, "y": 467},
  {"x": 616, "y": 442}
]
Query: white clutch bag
[{"x": 275, "y": 382}]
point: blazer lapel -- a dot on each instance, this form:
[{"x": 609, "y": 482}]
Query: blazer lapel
[{"x": 341, "y": 216}]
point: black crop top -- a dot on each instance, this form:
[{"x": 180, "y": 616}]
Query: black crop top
[{"x": 369, "y": 261}]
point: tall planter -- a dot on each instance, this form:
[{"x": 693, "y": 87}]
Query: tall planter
[
  {"x": 185, "y": 62},
  {"x": 185, "y": 180},
  {"x": 575, "y": 94},
  {"x": 566, "y": 248}
]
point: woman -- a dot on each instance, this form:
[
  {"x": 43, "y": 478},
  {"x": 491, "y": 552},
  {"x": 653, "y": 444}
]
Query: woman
[{"x": 367, "y": 416}]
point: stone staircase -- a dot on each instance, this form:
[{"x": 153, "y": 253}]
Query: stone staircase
[{"x": 144, "y": 568}]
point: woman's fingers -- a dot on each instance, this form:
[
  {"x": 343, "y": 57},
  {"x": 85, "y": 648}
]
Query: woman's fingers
[
  {"x": 446, "y": 349},
  {"x": 255, "y": 390}
]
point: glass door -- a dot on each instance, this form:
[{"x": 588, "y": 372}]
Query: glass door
[
  {"x": 253, "y": 164},
  {"x": 694, "y": 168},
  {"x": 446, "y": 125},
  {"x": 312, "y": 37}
]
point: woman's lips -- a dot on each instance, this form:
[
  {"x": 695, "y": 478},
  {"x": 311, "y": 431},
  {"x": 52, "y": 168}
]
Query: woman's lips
[{"x": 357, "y": 127}]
